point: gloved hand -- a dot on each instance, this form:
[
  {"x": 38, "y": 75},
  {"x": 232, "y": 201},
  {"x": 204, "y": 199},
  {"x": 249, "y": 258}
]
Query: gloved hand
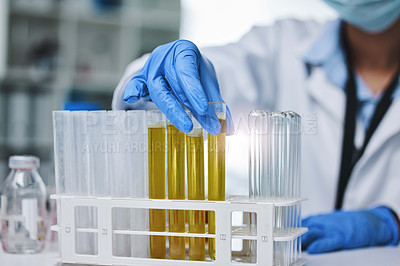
[
  {"x": 177, "y": 74},
  {"x": 350, "y": 229}
]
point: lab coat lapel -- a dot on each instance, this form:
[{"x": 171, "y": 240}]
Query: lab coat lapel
[
  {"x": 333, "y": 100},
  {"x": 388, "y": 127},
  {"x": 328, "y": 96}
]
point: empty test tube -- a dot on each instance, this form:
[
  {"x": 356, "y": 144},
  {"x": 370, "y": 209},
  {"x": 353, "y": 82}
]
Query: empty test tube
[
  {"x": 297, "y": 161},
  {"x": 60, "y": 119},
  {"x": 290, "y": 146},
  {"x": 135, "y": 141},
  {"x": 278, "y": 163},
  {"x": 80, "y": 158},
  {"x": 85, "y": 243},
  {"x": 99, "y": 180},
  {"x": 289, "y": 186},
  {"x": 119, "y": 175},
  {"x": 195, "y": 177},
  {"x": 297, "y": 175},
  {"x": 176, "y": 189},
  {"x": 216, "y": 169},
  {"x": 293, "y": 150},
  {"x": 278, "y": 156},
  {"x": 293, "y": 162},
  {"x": 259, "y": 177},
  {"x": 156, "y": 140}
]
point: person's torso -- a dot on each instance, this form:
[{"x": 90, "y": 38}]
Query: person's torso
[{"x": 279, "y": 80}]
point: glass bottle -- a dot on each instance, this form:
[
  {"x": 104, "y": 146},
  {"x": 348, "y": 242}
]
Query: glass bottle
[{"x": 23, "y": 207}]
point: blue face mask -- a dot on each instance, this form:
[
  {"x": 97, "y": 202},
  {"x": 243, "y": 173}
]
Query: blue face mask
[{"x": 369, "y": 15}]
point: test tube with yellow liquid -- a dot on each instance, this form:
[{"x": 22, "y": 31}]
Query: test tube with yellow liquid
[
  {"x": 195, "y": 179},
  {"x": 156, "y": 141},
  {"x": 176, "y": 190},
  {"x": 216, "y": 169}
]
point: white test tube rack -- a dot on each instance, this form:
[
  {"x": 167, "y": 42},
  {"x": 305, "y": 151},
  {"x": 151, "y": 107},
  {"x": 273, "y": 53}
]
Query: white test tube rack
[
  {"x": 77, "y": 186},
  {"x": 224, "y": 235}
]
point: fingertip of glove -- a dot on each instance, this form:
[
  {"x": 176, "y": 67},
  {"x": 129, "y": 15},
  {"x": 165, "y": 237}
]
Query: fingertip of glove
[
  {"x": 215, "y": 129},
  {"x": 131, "y": 99},
  {"x": 131, "y": 95},
  {"x": 187, "y": 127},
  {"x": 316, "y": 247},
  {"x": 182, "y": 120}
]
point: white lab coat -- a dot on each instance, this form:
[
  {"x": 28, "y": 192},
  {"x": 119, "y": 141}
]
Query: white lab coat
[{"x": 265, "y": 70}]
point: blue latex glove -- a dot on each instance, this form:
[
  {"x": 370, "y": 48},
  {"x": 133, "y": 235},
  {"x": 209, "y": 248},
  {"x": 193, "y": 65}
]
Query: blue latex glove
[
  {"x": 350, "y": 229},
  {"x": 177, "y": 74}
]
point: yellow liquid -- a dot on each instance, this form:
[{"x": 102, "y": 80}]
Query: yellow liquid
[
  {"x": 216, "y": 178},
  {"x": 176, "y": 190},
  {"x": 157, "y": 189},
  {"x": 195, "y": 175}
]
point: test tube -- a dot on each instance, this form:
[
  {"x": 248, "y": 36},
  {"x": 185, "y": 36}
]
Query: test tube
[
  {"x": 99, "y": 180},
  {"x": 156, "y": 140},
  {"x": 297, "y": 159},
  {"x": 195, "y": 177},
  {"x": 135, "y": 162},
  {"x": 278, "y": 163},
  {"x": 79, "y": 155},
  {"x": 176, "y": 189},
  {"x": 121, "y": 181},
  {"x": 79, "y": 180},
  {"x": 293, "y": 151},
  {"x": 259, "y": 178},
  {"x": 297, "y": 176},
  {"x": 293, "y": 142},
  {"x": 216, "y": 169},
  {"x": 60, "y": 129}
]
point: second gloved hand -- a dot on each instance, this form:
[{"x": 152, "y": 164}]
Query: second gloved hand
[
  {"x": 350, "y": 229},
  {"x": 176, "y": 75}
]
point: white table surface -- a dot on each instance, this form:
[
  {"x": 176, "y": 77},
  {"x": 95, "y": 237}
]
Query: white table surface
[
  {"x": 383, "y": 256},
  {"x": 47, "y": 258}
]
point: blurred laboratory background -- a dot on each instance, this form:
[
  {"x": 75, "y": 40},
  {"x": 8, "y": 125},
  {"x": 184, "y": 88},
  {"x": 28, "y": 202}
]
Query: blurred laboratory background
[{"x": 54, "y": 52}]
